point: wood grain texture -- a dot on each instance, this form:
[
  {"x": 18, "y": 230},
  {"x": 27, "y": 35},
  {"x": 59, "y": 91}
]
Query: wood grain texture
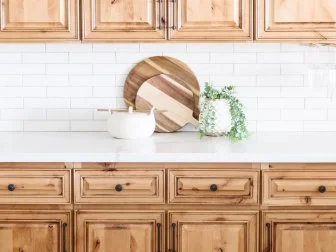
[
  {"x": 211, "y": 20},
  {"x": 306, "y": 21},
  {"x": 155, "y": 66},
  {"x": 124, "y": 20},
  {"x": 170, "y": 94},
  {"x": 234, "y": 187},
  {"x": 35, "y": 186},
  {"x": 214, "y": 231},
  {"x": 119, "y": 231},
  {"x": 145, "y": 186},
  {"x": 39, "y": 20},
  {"x": 299, "y": 231},
  {"x": 299, "y": 187},
  {"x": 31, "y": 231}
]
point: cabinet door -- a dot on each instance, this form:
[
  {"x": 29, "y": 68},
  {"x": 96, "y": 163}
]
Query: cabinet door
[
  {"x": 120, "y": 231},
  {"x": 196, "y": 231},
  {"x": 122, "y": 20},
  {"x": 210, "y": 20},
  {"x": 38, "y": 20},
  {"x": 31, "y": 231},
  {"x": 307, "y": 20},
  {"x": 306, "y": 231}
]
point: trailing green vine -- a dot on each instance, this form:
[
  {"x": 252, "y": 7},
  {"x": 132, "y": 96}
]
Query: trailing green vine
[{"x": 238, "y": 129}]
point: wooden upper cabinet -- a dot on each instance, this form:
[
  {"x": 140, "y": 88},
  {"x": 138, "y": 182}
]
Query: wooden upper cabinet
[
  {"x": 299, "y": 231},
  {"x": 125, "y": 20},
  {"x": 120, "y": 231},
  {"x": 196, "y": 231},
  {"x": 210, "y": 20},
  {"x": 308, "y": 20},
  {"x": 31, "y": 231},
  {"x": 39, "y": 20}
]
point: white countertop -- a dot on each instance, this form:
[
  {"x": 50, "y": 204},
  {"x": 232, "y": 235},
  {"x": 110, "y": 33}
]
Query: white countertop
[{"x": 176, "y": 147}]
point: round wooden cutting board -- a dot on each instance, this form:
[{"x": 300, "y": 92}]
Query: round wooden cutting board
[
  {"x": 173, "y": 100},
  {"x": 160, "y": 65}
]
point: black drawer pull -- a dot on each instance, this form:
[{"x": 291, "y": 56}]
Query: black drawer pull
[
  {"x": 118, "y": 188},
  {"x": 268, "y": 227},
  {"x": 322, "y": 189},
  {"x": 11, "y": 187},
  {"x": 213, "y": 188},
  {"x": 159, "y": 236},
  {"x": 64, "y": 237}
]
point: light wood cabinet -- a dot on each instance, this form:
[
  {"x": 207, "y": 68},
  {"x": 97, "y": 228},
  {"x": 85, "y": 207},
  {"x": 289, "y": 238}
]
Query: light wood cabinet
[
  {"x": 31, "y": 231},
  {"x": 296, "y": 20},
  {"x": 304, "y": 231},
  {"x": 120, "y": 231},
  {"x": 213, "y": 186},
  {"x": 39, "y": 20},
  {"x": 210, "y": 231},
  {"x": 143, "y": 186},
  {"x": 128, "y": 20},
  {"x": 210, "y": 20}
]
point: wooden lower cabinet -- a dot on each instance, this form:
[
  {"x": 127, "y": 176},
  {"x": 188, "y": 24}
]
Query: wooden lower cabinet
[
  {"x": 299, "y": 231},
  {"x": 213, "y": 231},
  {"x": 120, "y": 231},
  {"x": 32, "y": 231}
]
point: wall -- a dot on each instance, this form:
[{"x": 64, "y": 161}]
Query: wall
[{"x": 57, "y": 87}]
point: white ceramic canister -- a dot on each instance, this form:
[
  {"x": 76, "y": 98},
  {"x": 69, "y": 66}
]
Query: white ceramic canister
[
  {"x": 215, "y": 117},
  {"x": 131, "y": 124}
]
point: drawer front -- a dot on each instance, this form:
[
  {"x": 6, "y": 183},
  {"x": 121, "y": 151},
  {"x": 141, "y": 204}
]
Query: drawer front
[
  {"x": 35, "y": 186},
  {"x": 119, "y": 186},
  {"x": 232, "y": 187},
  {"x": 299, "y": 188}
]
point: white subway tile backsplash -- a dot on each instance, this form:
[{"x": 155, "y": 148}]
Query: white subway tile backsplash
[
  {"x": 10, "y": 80},
  {"x": 45, "y": 58},
  {"x": 256, "y": 69},
  {"x": 46, "y": 126},
  {"x": 59, "y": 86},
  {"x": 280, "y": 57},
  {"x": 280, "y": 80},
  {"x": 67, "y": 47},
  {"x": 10, "y": 58},
  {"x": 90, "y": 58},
  {"x": 69, "y": 69},
  {"x": 163, "y": 47},
  {"x": 233, "y": 58},
  {"x": 23, "y": 114}
]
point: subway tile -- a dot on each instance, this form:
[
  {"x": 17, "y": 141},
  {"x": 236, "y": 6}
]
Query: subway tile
[
  {"x": 304, "y": 92},
  {"x": 22, "y": 92},
  {"x": 69, "y": 69},
  {"x": 320, "y": 126},
  {"x": 23, "y": 114},
  {"x": 316, "y": 103},
  {"x": 10, "y": 80},
  {"x": 69, "y": 114},
  {"x": 256, "y": 69},
  {"x": 22, "y": 69},
  {"x": 214, "y": 69},
  {"x": 280, "y": 80},
  {"x": 45, "y": 80},
  {"x": 8, "y": 58},
  {"x": 46, "y": 103},
  {"x": 127, "y": 57},
  {"x": 304, "y": 115},
  {"x": 258, "y": 92},
  {"x": 91, "y": 58},
  {"x": 112, "y": 68},
  {"x": 263, "y": 114},
  {"x": 233, "y": 58},
  {"x": 209, "y": 47},
  {"x": 93, "y": 103},
  {"x": 69, "y": 91},
  {"x": 88, "y": 126},
  {"x": 290, "y": 126},
  {"x": 111, "y": 47},
  {"x": 69, "y": 47},
  {"x": 190, "y": 57},
  {"x": 22, "y": 47},
  {"x": 256, "y": 47},
  {"x": 280, "y": 57},
  {"x": 46, "y": 126},
  {"x": 92, "y": 80},
  {"x": 11, "y": 103},
  {"x": 163, "y": 47},
  {"x": 238, "y": 81},
  {"x": 45, "y": 58},
  {"x": 281, "y": 103}
]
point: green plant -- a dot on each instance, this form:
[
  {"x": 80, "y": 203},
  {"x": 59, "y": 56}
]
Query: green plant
[{"x": 238, "y": 130}]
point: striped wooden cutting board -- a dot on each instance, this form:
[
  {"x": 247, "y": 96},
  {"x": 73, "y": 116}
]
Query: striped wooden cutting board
[{"x": 171, "y": 95}]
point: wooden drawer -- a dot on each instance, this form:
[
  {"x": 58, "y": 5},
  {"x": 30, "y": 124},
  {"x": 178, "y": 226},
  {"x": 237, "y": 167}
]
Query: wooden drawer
[
  {"x": 231, "y": 187},
  {"x": 299, "y": 187},
  {"x": 119, "y": 186},
  {"x": 21, "y": 186}
]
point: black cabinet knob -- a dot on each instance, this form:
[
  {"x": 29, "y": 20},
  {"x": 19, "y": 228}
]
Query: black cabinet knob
[
  {"x": 213, "y": 188},
  {"x": 118, "y": 188},
  {"x": 11, "y": 187},
  {"x": 322, "y": 189}
]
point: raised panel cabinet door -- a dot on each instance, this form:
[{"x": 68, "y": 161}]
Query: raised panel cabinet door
[
  {"x": 120, "y": 231},
  {"x": 39, "y": 20},
  {"x": 299, "y": 231},
  {"x": 32, "y": 231},
  {"x": 193, "y": 20},
  {"x": 124, "y": 20},
  {"x": 301, "y": 20},
  {"x": 213, "y": 231}
]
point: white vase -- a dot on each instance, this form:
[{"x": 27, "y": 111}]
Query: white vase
[{"x": 215, "y": 117}]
